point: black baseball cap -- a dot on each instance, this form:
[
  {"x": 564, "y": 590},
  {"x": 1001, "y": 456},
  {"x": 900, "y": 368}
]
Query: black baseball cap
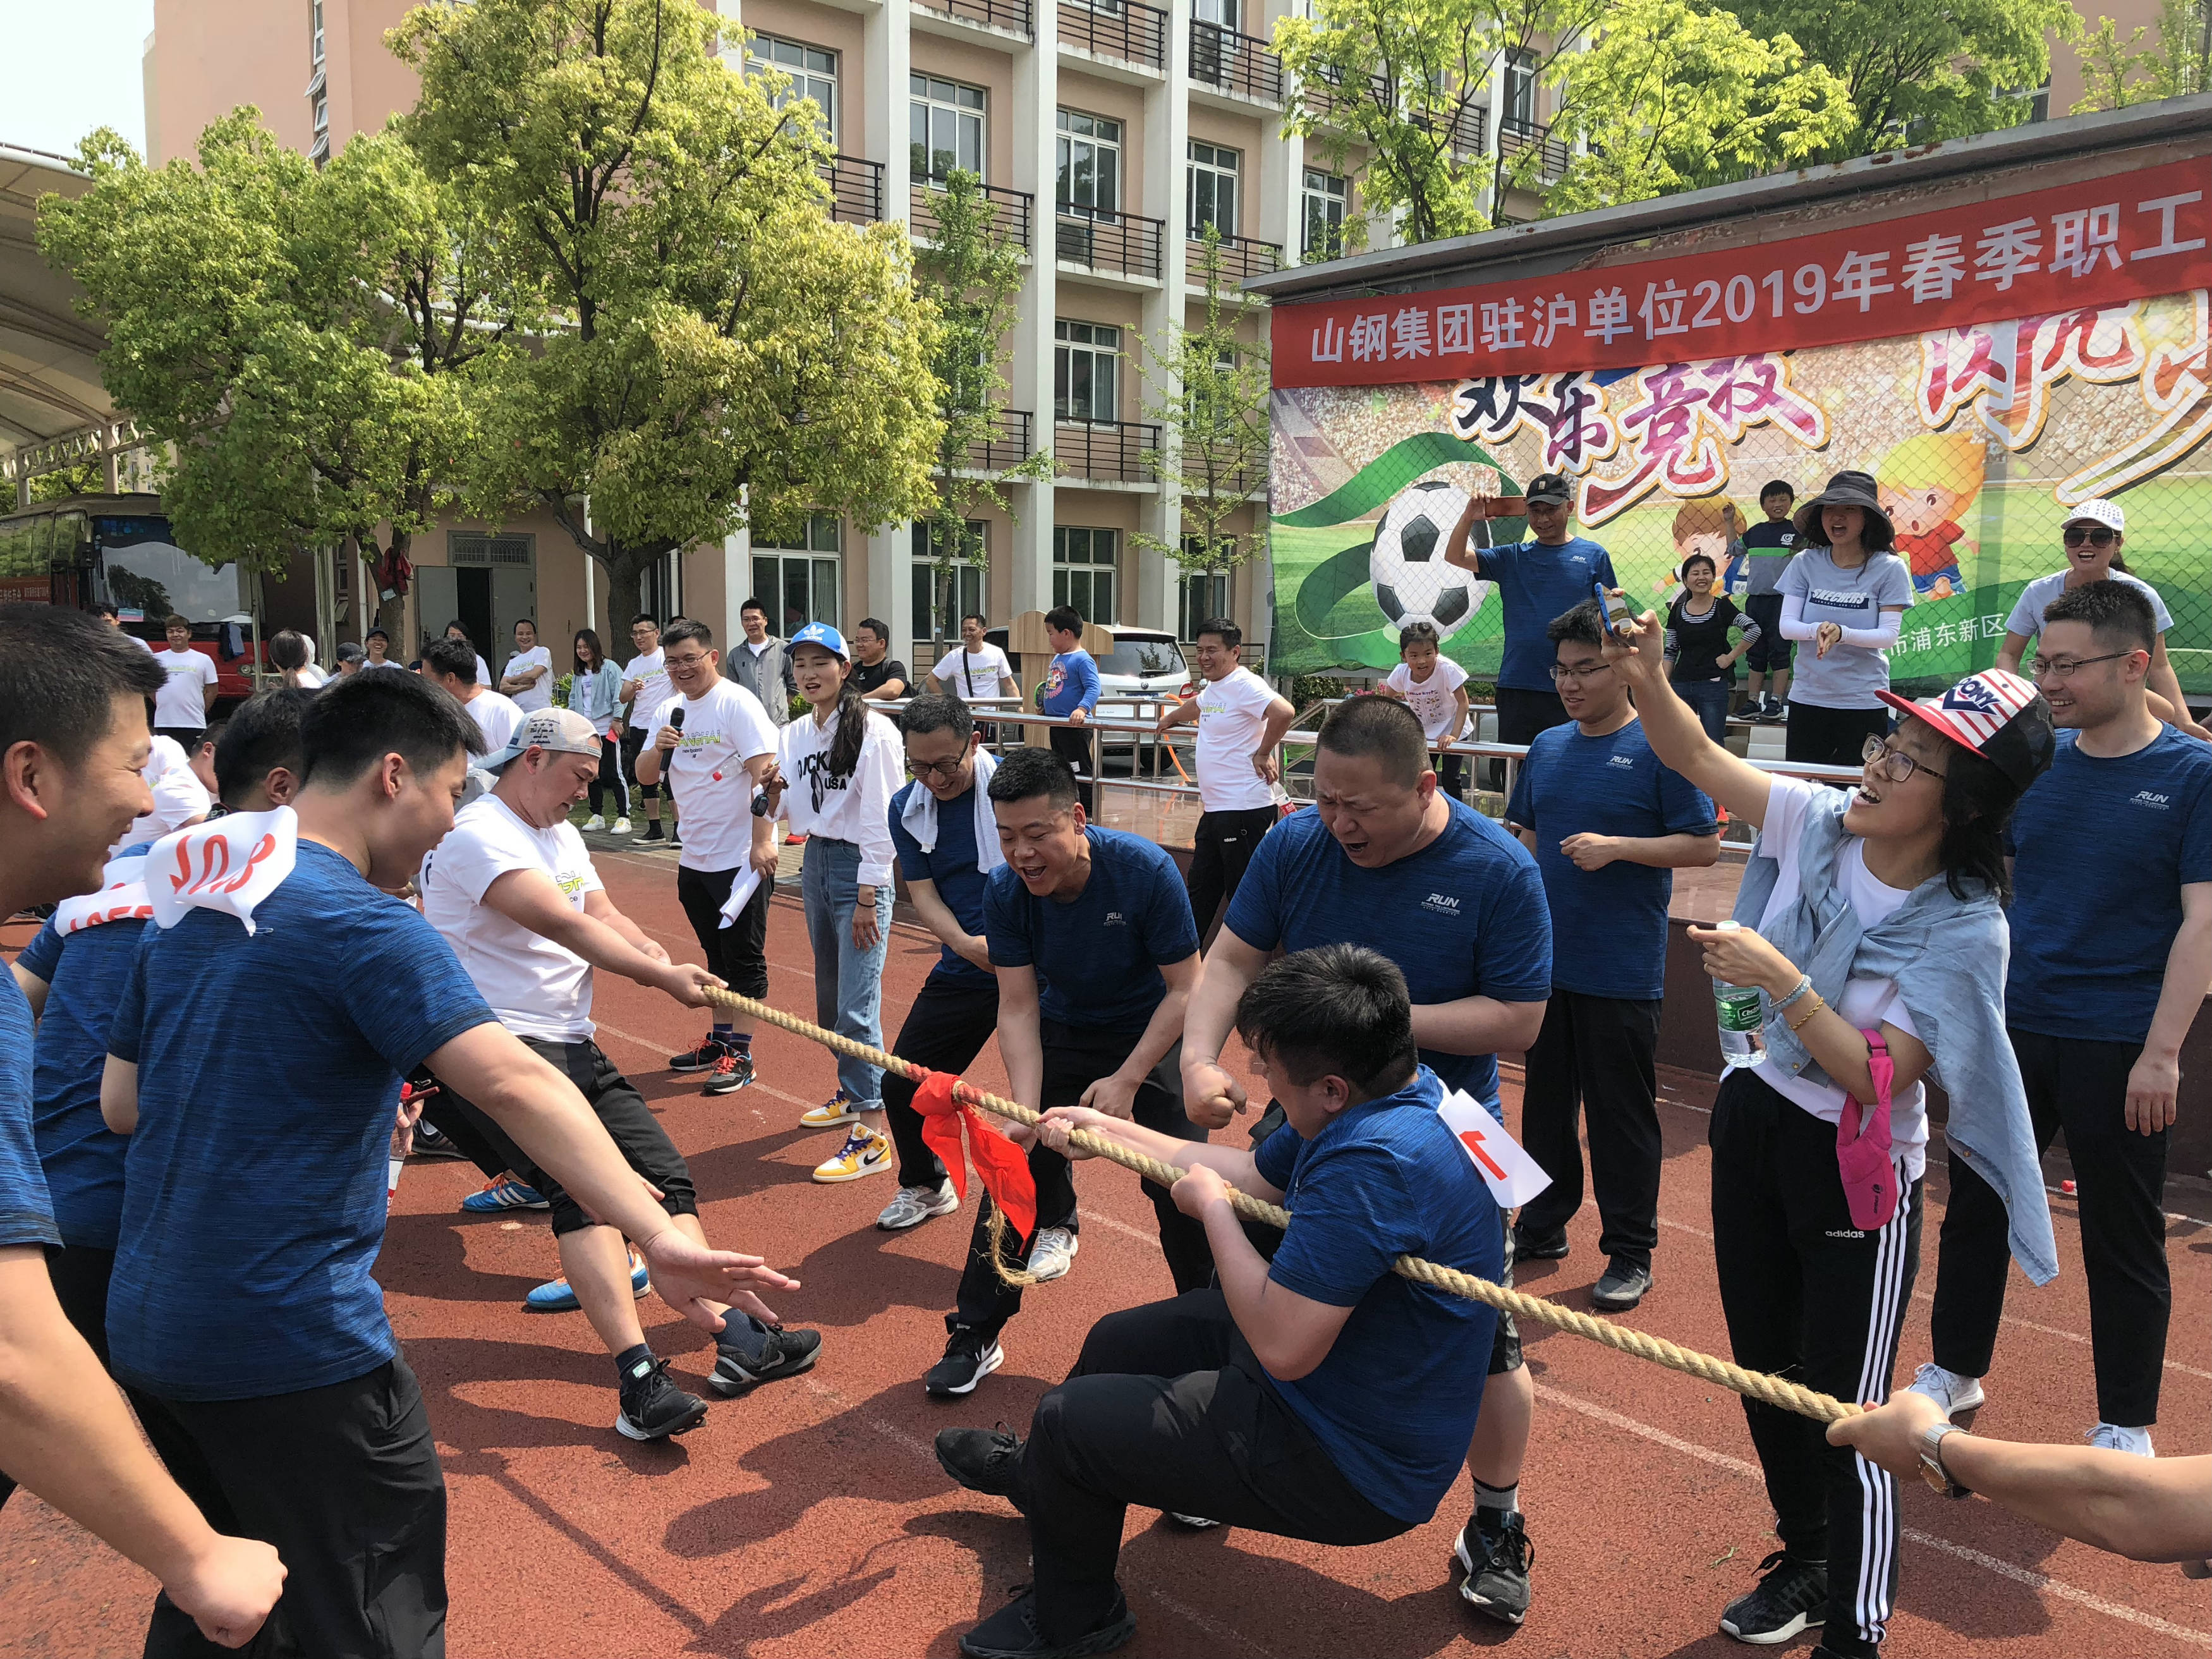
[{"x": 1551, "y": 487}]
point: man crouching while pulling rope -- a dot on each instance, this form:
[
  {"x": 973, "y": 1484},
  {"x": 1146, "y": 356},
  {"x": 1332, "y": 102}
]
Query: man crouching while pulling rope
[{"x": 1321, "y": 1396}]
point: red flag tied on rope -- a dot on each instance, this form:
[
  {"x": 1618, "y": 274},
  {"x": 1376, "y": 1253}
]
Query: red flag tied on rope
[{"x": 1004, "y": 1167}]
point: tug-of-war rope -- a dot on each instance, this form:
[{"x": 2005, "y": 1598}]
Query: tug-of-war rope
[{"x": 1756, "y": 1385}]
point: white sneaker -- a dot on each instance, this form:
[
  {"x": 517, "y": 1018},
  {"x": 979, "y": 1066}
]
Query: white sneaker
[
  {"x": 595, "y": 821},
  {"x": 1052, "y": 1253},
  {"x": 2112, "y": 1437},
  {"x": 1960, "y": 1397},
  {"x": 620, "y": 827},
  {"x": 915, "y": 1205}
]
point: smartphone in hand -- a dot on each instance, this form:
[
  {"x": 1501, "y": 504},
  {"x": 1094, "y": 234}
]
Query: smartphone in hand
[{"x": 1617, "y": 613}]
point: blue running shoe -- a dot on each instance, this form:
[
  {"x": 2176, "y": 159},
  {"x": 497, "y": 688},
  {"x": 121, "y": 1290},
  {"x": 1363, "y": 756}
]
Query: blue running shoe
[
  {"x": 504, "y": 1193},
  {"x": 555, "y": 1296}
]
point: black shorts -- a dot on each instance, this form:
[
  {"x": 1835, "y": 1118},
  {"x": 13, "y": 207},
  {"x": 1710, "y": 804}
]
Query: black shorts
[
  {"x": 1770, "y": 653},
  {"x": 633, "y": 744}
]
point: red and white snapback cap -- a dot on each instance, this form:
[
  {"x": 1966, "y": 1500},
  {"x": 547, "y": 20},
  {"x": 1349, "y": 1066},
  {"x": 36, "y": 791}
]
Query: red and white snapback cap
[{"x": 2000, "y": 716}]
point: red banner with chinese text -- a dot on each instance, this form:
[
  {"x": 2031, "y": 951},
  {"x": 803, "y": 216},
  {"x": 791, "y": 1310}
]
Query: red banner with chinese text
[{"x": 2099, "y": 243}]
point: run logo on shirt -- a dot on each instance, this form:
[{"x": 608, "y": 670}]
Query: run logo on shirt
[
  {"x": 2145, "y": 798},
  {"x": 1625, "y": 761},
  {"x": 1442, "y": 905}
]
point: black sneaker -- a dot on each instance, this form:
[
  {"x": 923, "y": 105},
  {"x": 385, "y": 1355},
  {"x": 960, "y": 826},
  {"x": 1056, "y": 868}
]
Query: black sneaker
[
  {"x": 701, "y": 1059},
  {"x": 1623, "y": 1285},
  {"x": 1495, "y": 1554},
  {"x": 428, "y": 1143},
  {"x": 1011, "y": 1632},
  {"x": 1791, "y": 1596},
  {"x": 653, "y": 831},
  {"x": 731, "y": 1072},
  {"x": 750, "y": 1353},
  {"x": 1531, "y": 1247},
  {"x": 987, "y": 1460},
  {"x": 970, "y": 1357},
  {"x": 653, "y": 1408}
]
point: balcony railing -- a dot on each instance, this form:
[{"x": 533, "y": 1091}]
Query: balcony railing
[
  {"x": 1111, "y": 452},
  {"x": 1100, "y": 238},
  {"x": 1323, "y": 96},
  {"x": 1241, "y": 257},
  {"x": 1514, "y": 135},
  {"x": 1010, "y": 209},
  {"x": 1128, "y": 29},
  {"x": 1222, "y": 58},
  {"x": 1466, "y": 124},
  {"x": 856, "y": 188},
  {"x": 1008, "y": 445},
  {"x": 1003, "y": 14}
]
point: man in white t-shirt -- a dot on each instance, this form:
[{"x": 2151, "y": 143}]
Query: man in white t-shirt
[
  {"x": 450, "y": 665},
  {"x": 187, "y": 693},
  {"x": 1240, "y": 723},
  {"x": 644, "y": 688},
  {"x": 714, "y": 741},
  {"x": 529, "y": 676},
  {"x": 180, "y": 799},
  {"x": 513, "y": 892},
  {"x": 978, "y": 669}
]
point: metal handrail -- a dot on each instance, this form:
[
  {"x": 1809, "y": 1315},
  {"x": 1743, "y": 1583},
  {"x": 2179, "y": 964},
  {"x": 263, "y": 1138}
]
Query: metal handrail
[
  {"x": 1107, "y": 239},
  {"x": 1241, "y": 257},
  {"x": 1013, "y": 14},
  {"x": 1128, "y": 29},
  {"x": 1228, "y": 61},
  {"x": 1515, "y": 135},
  {"x": 1110, "y": 451},
  {"x": 1012, "y": 211},
  {"x": 856, "y": 188}
]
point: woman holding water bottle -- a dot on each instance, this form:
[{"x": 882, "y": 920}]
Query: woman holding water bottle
[{"x": 1867, "y": 951}]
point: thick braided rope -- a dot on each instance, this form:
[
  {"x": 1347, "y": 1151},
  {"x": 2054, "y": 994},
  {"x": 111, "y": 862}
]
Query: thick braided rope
[{"x": 1757, "y": 1385}]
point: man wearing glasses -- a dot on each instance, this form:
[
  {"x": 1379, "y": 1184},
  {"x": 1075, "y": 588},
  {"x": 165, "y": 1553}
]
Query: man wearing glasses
[
  {"x": 2111, "y": 950},
  {"x": 1608, "y": 824}
]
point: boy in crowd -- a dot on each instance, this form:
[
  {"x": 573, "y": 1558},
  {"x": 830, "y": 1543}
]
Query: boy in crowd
[
  {"x": 513, "y": 892},
  {"x": 1240, "y": 725},
  {"x": 1434, "y": 687},
  {"x": 451, "y": 666},
  {"x": 881, "y": 676},
  {"x": 1768, "y": 548},
  {"x": 1317, "y": 1396},
  {"x": 2111, "y": 956},
  {"x": 186, "y": 698},
  {"x": 644, "y": 688},
  {"x": 1070, "y": 691},
  {"x": 1608, "y": 825},
  {"x": 715, "y": 743}
]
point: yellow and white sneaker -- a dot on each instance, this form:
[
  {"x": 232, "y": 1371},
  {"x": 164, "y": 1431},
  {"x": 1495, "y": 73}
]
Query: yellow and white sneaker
[
  {"x": 864, "y": 1153},
  {"x": 837, "y": 1110}
]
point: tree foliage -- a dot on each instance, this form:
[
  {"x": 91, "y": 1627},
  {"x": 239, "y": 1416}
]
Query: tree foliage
[
  {"x": 722, "y": 352},
  {"x": 2175, "y": 63}
]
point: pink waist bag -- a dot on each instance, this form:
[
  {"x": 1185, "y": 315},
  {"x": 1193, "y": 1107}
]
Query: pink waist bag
[{"x": 1862, "y": 1143}]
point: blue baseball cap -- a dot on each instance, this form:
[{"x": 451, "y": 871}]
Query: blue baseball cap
[{"x": 822, "y": 635}]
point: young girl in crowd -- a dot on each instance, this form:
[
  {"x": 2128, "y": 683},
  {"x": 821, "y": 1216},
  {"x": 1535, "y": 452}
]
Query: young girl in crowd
[
  {"x": 1845, "y": 594},
  {"x": 836, "y": 771},
  {"x": 1701, "y": 663},
  {"x": 595, "y": 692},
  {"x": 1871, "y": 924},
  {"x": 1435, "y": 687},
  {"x": 295, "y": 659}
]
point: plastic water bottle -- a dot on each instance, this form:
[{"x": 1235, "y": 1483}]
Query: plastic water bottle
[{"x": 1736, "y": 1009}]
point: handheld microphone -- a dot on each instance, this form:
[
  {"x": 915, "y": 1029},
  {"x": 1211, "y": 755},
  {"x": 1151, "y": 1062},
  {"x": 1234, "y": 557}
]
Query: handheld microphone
[{"x": 676, "y": 719}]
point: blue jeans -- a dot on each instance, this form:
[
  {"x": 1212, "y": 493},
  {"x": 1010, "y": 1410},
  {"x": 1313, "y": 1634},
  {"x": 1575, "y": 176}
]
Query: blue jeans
[
  {"x": 1709, "y": 698},
  {"x": 848, "y": 983}
]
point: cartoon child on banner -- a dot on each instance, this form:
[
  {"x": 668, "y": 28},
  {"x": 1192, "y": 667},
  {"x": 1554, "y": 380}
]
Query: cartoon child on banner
[
  {"x": 1927, "y": 485},
  {"x": 1712, "y": 526}
]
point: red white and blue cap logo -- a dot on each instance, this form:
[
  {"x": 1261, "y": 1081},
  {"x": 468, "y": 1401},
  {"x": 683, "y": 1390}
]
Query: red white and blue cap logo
[{"x": 1979, "y": 709}]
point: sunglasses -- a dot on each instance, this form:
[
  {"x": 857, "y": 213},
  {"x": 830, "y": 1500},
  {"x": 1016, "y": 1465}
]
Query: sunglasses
[{"x": 2075, "y": 535}]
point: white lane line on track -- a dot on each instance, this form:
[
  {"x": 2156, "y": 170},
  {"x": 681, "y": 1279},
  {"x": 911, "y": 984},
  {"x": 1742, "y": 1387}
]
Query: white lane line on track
[{"x": 2040, "y": 1582}]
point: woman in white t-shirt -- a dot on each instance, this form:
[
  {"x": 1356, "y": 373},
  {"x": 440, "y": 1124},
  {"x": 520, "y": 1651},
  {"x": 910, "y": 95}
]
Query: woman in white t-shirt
[
  {"x": 837, "y": 768},
  {"x": 1870, "y": 928},
  {"x": 1434, "y": 687}
]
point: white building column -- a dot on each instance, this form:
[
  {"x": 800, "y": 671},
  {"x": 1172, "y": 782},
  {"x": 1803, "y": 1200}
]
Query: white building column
[
  {"x": 1151, "y": 576},
  {"x": 887, "y": 61},
  {"x": 1036, "y": 102}
]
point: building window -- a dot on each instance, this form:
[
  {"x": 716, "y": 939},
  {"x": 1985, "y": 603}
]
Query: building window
[
  {"x": 951, "y": 599},
  {"x": 945, "y": 127},
  {"x": 1212, "y": 192},
  {"x": 799, "y": 580},
  {"x": 1521, "y": 89},
  {"x": 319, "y": 111},
  {"x": 315, "y": 30},
  {"x": 1084, "y": 567},
  {"x": 813, "y": 74},
  {"x": 1324, "y": 206},
  {"x": 1201, "y": 597},
  {"x": 1088, "y": 162},
  {"x": 1085, "y": 371}
]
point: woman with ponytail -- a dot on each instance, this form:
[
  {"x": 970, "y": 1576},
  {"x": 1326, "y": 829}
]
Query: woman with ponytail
[{"x": 835, "y": 774}]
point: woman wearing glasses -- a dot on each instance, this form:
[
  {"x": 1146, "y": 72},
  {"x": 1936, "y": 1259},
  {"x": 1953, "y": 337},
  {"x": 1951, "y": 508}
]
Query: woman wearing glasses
[
  {"x": 1871, "y": 923},
  {"x": 2095, "y": 533}
]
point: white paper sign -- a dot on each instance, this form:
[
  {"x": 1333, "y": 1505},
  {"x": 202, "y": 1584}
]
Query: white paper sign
[
  {"x": 122, "y": 897},
  {"x": 1511, "y": 1174},
  {"x": 741, "y": 891},
  {"x": 230, "y": 864}
]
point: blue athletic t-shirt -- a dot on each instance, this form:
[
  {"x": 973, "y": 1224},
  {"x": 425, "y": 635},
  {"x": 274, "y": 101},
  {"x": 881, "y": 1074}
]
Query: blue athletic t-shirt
[
  {"x": 269, "y": 1069},
  {"x": 27, "y": 1216},
  {"x": 1098, "y": 957},
  {"x": 1070, "y": 682},
  {"x": 1394, "y": 1401},
  {"x": 950, "y": 865},
  {"x": 1465, "y": 916},
  {"x": 83, "y": 1157},
  {"x": 2093, "y": 919},
  {"x": 1536, "y": 583},
  {"x": 1608, "y": 925}
]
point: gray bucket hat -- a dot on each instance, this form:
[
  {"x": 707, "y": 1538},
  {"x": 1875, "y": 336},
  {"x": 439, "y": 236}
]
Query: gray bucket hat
[{"x": 1848, "y": 489}]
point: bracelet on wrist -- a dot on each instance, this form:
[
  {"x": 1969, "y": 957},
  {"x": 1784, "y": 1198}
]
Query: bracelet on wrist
[
  {"x": 1804, "y": 984},
  {"x": 1813, "y": 1005}
]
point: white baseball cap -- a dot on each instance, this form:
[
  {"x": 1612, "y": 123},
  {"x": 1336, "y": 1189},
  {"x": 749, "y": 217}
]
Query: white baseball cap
[
  {"x": 2098, "y": 510},
  {"x": 557, "y": 730}
]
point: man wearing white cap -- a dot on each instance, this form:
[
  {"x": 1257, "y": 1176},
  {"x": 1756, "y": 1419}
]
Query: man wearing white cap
[
  {"x": 2094, "y": 534},
  {"x": 513, "y": 890}
]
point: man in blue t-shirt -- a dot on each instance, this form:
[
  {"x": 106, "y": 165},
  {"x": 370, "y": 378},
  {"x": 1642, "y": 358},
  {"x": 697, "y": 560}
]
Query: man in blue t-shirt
[
  {"x": 1608, "y": 824},
  {"x": 1387, "y": 860},
  {"x": 1070, "y": 690},
  {"x": 2112, "y": 949},
  {"x": 1320, "y": 1397},
  {"x": 260, "y": 1103},
  {"x": 1536, "y": 580},
  {"x": 1091, "y": 939}
]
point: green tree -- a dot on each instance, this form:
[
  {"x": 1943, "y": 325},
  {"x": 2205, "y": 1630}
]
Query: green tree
[
  {"x": 723, "y": 353},
  {"x": 1668, "y": 98},
  {"x": 2177, "y": 63},
  {"x": 85, "y": 478},
  {"x": 307, "y": 342}
]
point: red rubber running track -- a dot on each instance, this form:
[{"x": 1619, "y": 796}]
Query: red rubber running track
[{"x": 811, "y": 1520}]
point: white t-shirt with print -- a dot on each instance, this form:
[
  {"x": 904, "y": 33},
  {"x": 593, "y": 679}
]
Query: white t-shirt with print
[
  {"x": 180, "y": 702},
  {"x": 1431, "y": 699},
  {"x": 1850, "y": 676},
  {"x": 1232, "y": 714},
  {"x": 1866, "y": 1003},
  {"x": 2027, "y": 618},
  {"x": 540, "y": 693},
  {"x": 496, "y": 716},
  {"x": 180, "y": 797},
  {"x": 856, "y": 808},
  {"x": 650, "y": 673},
  {"x": 537, "y": 987},
  {"x": 969, "y": 675},
  {"x": 722, "y": 730}
]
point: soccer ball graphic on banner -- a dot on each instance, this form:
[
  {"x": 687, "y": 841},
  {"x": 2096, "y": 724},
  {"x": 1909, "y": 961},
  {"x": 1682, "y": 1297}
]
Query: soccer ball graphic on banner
[{"x": 1412, "y": 581}]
